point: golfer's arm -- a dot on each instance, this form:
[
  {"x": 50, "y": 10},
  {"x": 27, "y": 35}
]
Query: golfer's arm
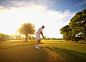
[{"x": 42, "y": 34}]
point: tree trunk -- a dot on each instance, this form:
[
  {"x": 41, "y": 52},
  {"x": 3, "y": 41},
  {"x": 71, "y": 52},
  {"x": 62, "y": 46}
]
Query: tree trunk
[
  {"x": 26, "y": 38},
  {"x": 72, "y": 38}
]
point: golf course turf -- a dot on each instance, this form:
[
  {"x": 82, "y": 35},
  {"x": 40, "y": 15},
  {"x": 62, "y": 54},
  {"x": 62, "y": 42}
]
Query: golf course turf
[{"x": 20, "y": 51}]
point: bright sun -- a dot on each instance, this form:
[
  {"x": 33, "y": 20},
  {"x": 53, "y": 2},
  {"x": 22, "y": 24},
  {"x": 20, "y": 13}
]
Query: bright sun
[{"x": 11, "y": 20}]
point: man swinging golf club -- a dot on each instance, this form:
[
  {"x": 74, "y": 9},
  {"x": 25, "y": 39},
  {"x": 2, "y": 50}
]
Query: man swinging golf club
[{"x": 39, "y": 31}]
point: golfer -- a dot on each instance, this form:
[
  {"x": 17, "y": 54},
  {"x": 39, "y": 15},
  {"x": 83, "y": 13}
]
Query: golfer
[{"x": 39, "y": 31}]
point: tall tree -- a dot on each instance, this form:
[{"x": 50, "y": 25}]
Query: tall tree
[
  {"x": 78, "y": 23},
  {"x": 26, "y": 29}
]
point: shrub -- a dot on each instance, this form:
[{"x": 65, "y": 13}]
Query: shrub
[
  {"x": 75, "y": 41},
  {"x": 82, "y": 41}
]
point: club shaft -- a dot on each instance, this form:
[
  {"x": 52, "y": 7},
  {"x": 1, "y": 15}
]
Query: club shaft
[{"x": 49, "y": 43}]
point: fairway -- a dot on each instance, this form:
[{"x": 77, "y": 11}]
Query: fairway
[{"x": 20, "y": 51}]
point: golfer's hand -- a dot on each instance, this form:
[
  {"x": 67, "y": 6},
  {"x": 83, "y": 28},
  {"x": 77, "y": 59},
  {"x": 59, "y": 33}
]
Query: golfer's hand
[{"x": 43, "y": 37}]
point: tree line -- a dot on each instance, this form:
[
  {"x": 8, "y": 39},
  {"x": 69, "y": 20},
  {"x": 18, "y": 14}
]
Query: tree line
[{"x": 76, "y": 29}]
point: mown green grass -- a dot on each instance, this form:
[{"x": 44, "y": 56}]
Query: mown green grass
[{"x": 21, "y": 51}]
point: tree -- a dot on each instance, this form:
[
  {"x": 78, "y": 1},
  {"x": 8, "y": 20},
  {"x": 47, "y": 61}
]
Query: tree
[
  {"x": 29, "y": 37},
  {"x": 66, "y": 31},
  {"x": 4, "y": 37},
  {"x": 26, "y": 29},
  {"x": 78, "y": 23},
  {"x": 33, "y": 37},
  {"x": 18, "y": 36}
]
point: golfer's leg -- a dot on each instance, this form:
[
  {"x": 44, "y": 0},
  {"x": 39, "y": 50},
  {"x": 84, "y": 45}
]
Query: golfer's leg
[
  {"x": 37, "y": 38},
  {"x": 39, "y": 41},
  {"x": 37, "y": 44}
]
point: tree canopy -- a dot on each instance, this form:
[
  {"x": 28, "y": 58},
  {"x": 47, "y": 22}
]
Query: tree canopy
[
  {"x": 76, "y": 25},
  {"x": 26, "y": 29}
]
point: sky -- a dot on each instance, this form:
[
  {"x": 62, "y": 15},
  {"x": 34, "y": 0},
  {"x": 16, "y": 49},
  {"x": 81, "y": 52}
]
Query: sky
[{"x": 54, "y": 14}]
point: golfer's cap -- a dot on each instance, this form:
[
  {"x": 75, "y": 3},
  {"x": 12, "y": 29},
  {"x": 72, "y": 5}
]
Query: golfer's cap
[{"x": 43, "y": 26}]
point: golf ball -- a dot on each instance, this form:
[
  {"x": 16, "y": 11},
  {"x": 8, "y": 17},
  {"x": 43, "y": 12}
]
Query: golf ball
[{"x": 55, "y": 47}]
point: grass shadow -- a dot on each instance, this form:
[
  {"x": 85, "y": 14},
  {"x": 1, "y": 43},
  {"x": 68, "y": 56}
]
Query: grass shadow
[
  {"x": 15, "y": 46},
  {"x": 21, "y": 41},
  {"x": 70, "y": 55}
]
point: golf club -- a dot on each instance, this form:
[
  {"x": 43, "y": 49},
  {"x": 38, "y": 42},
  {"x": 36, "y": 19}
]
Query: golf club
[{"x": 51, "y": 44}]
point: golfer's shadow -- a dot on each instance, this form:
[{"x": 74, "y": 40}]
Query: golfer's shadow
[{"x": 49, "y": 48}]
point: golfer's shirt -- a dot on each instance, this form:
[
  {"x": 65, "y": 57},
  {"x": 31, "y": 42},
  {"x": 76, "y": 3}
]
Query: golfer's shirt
[{"x": 39, "y": 30}]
